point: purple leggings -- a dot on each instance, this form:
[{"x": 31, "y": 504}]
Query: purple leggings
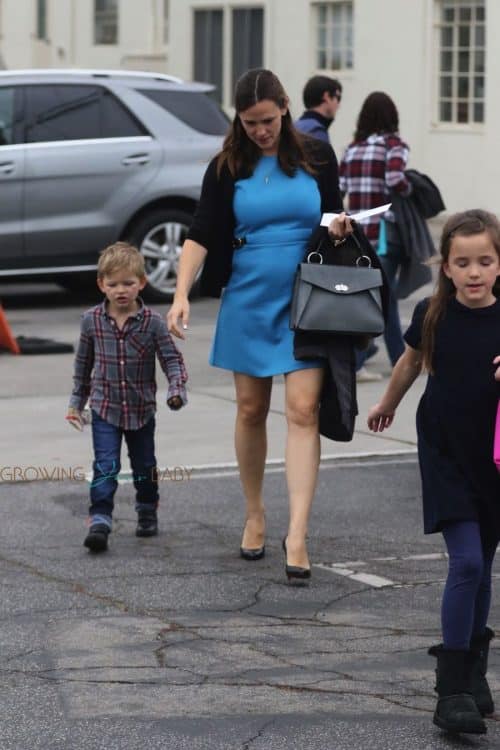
[{"x": 467, "y": 593}]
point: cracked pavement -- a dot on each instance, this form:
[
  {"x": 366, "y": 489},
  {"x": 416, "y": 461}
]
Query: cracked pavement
[{"x": 176, "y": 642}]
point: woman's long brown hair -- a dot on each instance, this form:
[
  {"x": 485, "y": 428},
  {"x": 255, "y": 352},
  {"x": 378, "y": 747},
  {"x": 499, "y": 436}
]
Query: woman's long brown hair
[
  {"x": 238, "y": 151},
  {"x": 378, "y": 115},
  {"x": 465, "y": 224}
]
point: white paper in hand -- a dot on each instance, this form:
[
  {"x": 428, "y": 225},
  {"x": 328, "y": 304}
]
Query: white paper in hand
[{"x": 327, "y": 219}]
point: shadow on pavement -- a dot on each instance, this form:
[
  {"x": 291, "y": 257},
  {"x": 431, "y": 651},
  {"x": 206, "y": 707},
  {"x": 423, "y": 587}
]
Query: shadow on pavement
[{"x": 24, "y": 296}]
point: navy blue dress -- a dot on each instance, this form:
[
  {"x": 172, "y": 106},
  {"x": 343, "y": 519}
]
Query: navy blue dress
[
  {"x": 456, "y": 418},
  {"x": 276, "y": 214}
]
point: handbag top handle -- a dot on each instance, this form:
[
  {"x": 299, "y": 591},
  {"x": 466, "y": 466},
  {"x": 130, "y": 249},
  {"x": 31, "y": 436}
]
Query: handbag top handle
[{"x": 362, "y": 260}]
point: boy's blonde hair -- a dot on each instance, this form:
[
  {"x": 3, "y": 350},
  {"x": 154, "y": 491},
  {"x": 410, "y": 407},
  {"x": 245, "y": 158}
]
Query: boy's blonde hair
[{"x": 120, "y": 256}]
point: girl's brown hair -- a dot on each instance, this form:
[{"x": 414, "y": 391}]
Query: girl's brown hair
[
  {"x": 465, "y": 224},
  {"x": 238, "y": 151}
]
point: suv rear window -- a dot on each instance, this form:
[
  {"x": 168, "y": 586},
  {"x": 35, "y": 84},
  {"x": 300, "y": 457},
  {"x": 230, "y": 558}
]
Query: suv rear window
[
  {"x": 197, "y": 110},
  {"x": 6, "y": 115}
]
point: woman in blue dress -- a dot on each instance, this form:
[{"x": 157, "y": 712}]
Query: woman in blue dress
[{"x": 261, "y": 198}]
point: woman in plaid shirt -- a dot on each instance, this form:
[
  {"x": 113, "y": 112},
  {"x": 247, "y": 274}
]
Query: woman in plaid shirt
[{"x": 373, "y": 165}]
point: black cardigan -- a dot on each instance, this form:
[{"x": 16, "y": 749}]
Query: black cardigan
[{"x": 214, "y": 221}]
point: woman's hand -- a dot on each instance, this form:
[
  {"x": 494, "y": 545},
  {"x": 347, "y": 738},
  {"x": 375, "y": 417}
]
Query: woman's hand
[
  {"x": 496, "y": 361},
  {"x": 340, "y": 227},
  {"x": 379, "y": 419},
  {"x": 179, "y": 309},
  {"x": 192, "y": 258}
]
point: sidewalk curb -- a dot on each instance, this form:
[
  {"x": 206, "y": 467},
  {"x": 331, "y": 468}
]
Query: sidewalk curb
[{"x": 230, "y": 468}]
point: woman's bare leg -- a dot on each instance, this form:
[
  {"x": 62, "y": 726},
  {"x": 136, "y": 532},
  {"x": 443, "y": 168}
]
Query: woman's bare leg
[
  {"x": 253, "y": 396},
  {"x": 303, "y": 389}
]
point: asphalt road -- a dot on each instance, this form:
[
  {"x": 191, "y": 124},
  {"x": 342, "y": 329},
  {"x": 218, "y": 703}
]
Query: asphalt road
[{"x": 175, "y": 642}]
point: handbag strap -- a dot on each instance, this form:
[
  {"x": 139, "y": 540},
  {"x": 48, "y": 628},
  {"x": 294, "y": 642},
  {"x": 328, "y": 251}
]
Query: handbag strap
[{"x": 367, "y": 263}]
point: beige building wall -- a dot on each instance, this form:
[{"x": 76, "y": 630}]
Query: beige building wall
[
  {"x": 70, "y": 36},
  {"x": 395, "y": 51}
]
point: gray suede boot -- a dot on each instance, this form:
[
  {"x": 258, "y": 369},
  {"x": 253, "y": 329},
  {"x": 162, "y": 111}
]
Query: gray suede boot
[
  {"x": 480, "y": 646},
  {"x": 456, "y": 709}
]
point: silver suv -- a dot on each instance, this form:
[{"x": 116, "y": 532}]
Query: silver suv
[{"x": 90, "y": 157}]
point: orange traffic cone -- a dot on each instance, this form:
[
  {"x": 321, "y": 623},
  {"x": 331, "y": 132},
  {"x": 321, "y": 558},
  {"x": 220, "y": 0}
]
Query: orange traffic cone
[{"x": 7, "y": 339}]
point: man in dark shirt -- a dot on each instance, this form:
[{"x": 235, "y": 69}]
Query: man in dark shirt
[{"x": 321, "y": 97}]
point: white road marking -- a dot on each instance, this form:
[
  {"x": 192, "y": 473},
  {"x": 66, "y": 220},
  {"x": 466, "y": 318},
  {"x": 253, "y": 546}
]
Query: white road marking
[
  {"x": 349, "y": 569},
  {"x": 428, "y": 556},
  {"x": 371, "y": 580},
  {"x": 393, "y": 558}
]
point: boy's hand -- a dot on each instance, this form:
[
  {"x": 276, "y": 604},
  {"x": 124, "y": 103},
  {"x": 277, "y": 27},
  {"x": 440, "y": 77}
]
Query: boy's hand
[
  {"x": 75, "y": 418},
  {"x": 379, "y": 419},
  {"x": 496, "y": 361},
  {"x": 174, "y": 402}
]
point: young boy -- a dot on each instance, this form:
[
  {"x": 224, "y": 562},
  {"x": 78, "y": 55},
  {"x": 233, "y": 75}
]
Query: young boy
[{"x": 115, "y": 367}]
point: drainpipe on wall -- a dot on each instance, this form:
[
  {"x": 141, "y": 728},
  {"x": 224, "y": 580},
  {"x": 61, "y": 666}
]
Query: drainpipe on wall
[
  {"x": 72, "y": 34},
  {"x": 156, "y": 30}
]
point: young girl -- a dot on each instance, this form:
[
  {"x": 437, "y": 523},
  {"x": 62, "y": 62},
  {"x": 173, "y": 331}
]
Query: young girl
[{"x": 455, "y": 336}]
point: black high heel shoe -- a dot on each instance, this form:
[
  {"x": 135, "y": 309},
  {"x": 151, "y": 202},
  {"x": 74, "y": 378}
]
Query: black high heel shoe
[
  {"x": 253, "y": 553},
  {"x": 295, "y": 574}
]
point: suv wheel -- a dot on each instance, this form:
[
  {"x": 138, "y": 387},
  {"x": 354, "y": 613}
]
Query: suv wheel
[{"x": 159, "y": 237}]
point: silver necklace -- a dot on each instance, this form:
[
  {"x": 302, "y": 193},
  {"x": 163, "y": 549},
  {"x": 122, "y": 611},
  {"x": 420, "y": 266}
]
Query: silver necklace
[{"x": 267, "y": 177}]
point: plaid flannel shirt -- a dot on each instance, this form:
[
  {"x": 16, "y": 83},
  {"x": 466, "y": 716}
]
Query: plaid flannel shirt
[
  {"x": 116, "y": 367},
  {"x": 369, "y": 170}
]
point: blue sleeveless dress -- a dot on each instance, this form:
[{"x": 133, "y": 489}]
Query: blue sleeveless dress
[{"x": 276, "y": 214}]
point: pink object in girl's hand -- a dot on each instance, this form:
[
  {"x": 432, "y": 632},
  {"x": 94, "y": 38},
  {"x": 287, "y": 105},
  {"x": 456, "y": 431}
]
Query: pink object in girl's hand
[{"x": 496, "y": 441}]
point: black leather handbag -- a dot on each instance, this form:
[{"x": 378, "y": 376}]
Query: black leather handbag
[{"x": 337, "y": 299}]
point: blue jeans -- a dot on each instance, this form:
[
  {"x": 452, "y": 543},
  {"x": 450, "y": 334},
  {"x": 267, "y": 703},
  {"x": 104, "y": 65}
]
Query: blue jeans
[
  {"x": 467, "y": 593},
  {"x": 107, "y": 441},
  {"x": 393, "y": 334}
]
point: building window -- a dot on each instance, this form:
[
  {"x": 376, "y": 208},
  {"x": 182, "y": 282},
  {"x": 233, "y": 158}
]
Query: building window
[
  {"x": 461, "y": 61},
  {"x": 106, "y": 22},
  {"x": 208, "y": 48},
  {"x": 334, "y": 35},
  {"x": 248, "y": 38},
  {"x": 41, "y": 19}
]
